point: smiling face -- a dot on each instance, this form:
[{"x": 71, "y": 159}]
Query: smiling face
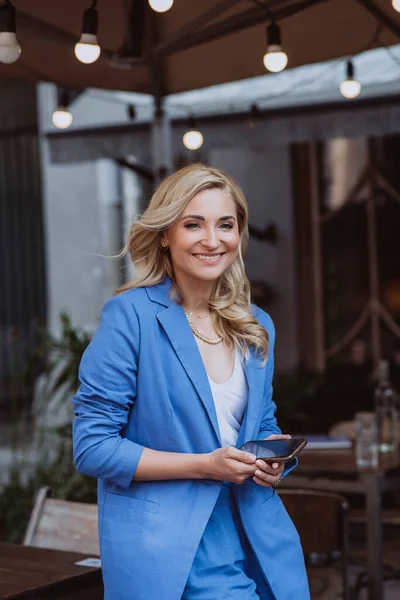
[{"x": 205, "y": 240}]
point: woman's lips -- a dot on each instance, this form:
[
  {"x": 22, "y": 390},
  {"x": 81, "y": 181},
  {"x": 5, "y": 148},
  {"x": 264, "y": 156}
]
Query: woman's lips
[{"x": 209, "y": 259}]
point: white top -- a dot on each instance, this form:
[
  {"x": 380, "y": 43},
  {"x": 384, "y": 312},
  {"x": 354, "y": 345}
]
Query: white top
[{"x": 230, "y": 399}]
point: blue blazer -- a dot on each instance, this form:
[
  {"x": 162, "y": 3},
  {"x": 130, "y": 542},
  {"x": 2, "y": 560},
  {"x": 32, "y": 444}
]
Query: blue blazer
[{"x": 143, "y": 384}]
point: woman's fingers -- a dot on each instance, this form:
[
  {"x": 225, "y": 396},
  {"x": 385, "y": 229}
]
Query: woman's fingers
[
  {"x": 274, "y": 474},
  {"x": 266, "y": 474},
  {"x": 236, "y": 465},
  {"x": 241, "y": 455},
  {"x": 261, "y": 482},
  {"x": 264, "y": 479},
  {"x": 230, "y": 464},
  {"x": 279, "y": 436},
  {"x": 273, "y": 469}
]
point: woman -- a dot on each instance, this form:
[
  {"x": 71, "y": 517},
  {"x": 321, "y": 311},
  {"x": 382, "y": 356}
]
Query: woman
[{"x": 176, "y": 379}]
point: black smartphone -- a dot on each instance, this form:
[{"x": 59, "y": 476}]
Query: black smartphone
[{"x": 275, "y": 450}]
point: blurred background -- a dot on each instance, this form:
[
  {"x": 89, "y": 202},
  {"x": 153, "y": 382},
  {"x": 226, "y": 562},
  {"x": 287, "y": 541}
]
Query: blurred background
[{"x": 299, "y": 100}]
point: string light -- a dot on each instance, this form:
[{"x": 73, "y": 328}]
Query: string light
[
  {"x": 87, "y": 50},
  {"x": 193, "y": 138},
  {"x": 275, "y": 59},
  {"x": 62, "y": 118},
  {"x": 350, "y": 87},
  {"x": 10, "y": 49},
  {"x": 161, "y": 5},
  {"x": 396, "y": 5}
]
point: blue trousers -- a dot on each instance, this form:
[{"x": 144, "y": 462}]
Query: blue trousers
[{"x": 220, "y": 567}]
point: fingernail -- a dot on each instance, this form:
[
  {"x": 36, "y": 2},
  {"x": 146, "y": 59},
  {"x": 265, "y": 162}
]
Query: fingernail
[{"x": 275, "y": 465}]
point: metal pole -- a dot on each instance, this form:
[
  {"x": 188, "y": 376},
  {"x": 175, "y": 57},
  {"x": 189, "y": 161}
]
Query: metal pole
[
  {"x": 161, "y": 131},
  {"x": 373, "y": 276},
  {"x": 373, "y": 487},
  {"x": 319, "y": 345},
  {"x": 161, "y": 144}
]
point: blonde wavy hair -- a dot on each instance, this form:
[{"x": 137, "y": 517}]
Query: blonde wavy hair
[{"x": 229, "y": 301}]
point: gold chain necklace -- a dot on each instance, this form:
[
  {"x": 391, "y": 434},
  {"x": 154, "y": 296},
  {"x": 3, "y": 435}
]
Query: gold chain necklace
[{"x": 200, "y": 335}]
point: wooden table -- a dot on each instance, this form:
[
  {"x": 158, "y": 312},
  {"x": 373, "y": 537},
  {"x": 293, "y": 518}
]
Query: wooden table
[
  {"x": 336, "y": 470},
  {"x": 42, "y": 574}
]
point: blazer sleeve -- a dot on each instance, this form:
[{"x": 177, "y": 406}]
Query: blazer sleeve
[
  {"x": 269, "y": 423},
  {"x": 102, "y": 404}
]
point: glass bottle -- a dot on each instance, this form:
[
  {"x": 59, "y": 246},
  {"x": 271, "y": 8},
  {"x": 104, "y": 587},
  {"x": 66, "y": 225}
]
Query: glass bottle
[{"x": 386, "y": 411}]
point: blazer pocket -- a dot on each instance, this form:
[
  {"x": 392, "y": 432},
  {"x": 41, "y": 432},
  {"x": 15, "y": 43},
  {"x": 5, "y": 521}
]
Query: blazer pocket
[{"x": 131, "y": 502}]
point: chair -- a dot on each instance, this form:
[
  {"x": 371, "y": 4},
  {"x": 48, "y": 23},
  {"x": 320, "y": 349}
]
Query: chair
[
  {"x": 321, "y": 518},
  {"x": 62, "y": 525},
  {"x": 347, "y": 428},
  {"x": 389, "y": 516}
]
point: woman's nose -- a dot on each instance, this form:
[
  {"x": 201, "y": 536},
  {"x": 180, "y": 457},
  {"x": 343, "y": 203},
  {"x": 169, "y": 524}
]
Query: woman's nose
[{"x": 210, "y": 238}]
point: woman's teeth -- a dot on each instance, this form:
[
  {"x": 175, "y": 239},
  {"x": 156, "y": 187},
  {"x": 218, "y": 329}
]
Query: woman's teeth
[{"x": 208, "y": 257}]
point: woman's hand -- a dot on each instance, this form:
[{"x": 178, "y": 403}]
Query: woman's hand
[
  {"x": 268, "y": 474},
  {"x": 230, "y": 464}
]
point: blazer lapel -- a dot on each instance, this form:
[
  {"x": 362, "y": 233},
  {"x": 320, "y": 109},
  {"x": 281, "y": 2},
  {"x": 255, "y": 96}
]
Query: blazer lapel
[
  {"x": 177, "y": 328},
  {"x": 175, "y": 324},
  {"x": 255, "y": 376}
]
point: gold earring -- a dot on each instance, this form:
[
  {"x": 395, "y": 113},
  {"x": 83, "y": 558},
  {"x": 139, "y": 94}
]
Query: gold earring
[{"x": 164, "y": 245}]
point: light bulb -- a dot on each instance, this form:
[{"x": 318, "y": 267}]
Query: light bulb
[
  {"x": 161, "y": 5},
  {"x": 87, "y": 50},
  {"x": 350, "y": 88},
  {"x": 9, "y": 47},
  {"x": 396, "y": 5},
  {"x": 275, "y": 60},
  {"x": 193, "y": 140},
  {"x": 62, "y": 118}
]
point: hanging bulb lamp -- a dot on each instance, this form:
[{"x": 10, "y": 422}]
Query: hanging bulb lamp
[
  {"x": 161, "y": 5},
  {"x": 87, "y": 50},
  {"x": 193, "y": 138},
  {"x": 10, "y": 49},
  {"x": 62, "y": 118},
  {"x": 350, "y": 88},
  {"x": 275, "y": 59}
]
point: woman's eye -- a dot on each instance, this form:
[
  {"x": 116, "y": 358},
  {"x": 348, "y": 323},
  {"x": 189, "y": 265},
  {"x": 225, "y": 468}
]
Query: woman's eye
[
  {"x": 191, "y": 225},
  {"x": 227, "y": 226},
  {"x": 197, "y": 226}
]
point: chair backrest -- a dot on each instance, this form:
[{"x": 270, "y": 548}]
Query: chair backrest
[
  {"x": 62, "y": 525},
  {"x": 345, "y": 428},
  {"x": 320, "y": 518}
]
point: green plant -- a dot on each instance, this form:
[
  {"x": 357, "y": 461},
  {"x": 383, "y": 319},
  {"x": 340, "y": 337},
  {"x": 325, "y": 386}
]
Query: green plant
[
  {"x": 293, "y": 392},
  {"x": 62, "y": 354},
  {"x": 54, "y": 465},
  {"x": 311, "y": 402}
]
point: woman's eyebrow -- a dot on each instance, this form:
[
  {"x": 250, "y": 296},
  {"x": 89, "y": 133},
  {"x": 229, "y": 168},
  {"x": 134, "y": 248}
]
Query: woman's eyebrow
[{"x": 200, "y": 218}]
